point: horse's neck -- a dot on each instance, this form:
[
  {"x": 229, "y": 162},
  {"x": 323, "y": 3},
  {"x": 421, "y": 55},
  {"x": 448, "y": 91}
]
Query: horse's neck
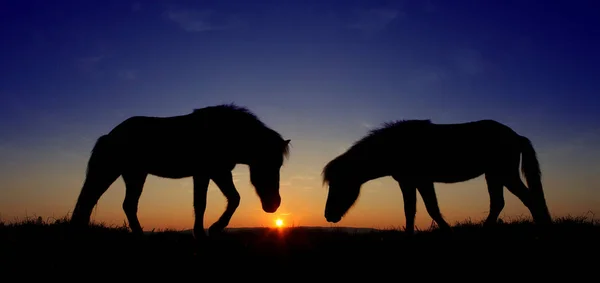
[
  {"x": 243, "y": 139},
  {"x": 244, "y": 151},
  {"x": 372, "y": 172},
  {"x": 369, "y": 169}
]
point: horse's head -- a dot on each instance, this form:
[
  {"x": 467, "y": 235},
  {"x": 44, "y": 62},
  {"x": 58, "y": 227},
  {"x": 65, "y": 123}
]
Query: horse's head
[
  {"x": 344, "y": 188},
  {"x": 265, "y": 165}
]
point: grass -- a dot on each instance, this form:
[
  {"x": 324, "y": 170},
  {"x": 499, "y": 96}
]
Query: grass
[{"x": 50, "y": 243}]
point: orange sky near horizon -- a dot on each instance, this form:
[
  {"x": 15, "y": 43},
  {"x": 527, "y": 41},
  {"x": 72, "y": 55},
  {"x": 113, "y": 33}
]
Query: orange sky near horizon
[
  {"x": 167, "y": 203},
  {"x": 321, "y": 73}
]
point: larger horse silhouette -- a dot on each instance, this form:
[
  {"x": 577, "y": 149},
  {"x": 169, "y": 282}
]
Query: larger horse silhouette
[
  {"x": 205, "y": 144},
  {"x": 418, "y": 153}
]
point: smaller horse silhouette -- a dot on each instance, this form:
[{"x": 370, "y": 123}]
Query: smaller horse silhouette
[
  {"x": 418, "y": 153},
  {"x": 205, "y": 144}
]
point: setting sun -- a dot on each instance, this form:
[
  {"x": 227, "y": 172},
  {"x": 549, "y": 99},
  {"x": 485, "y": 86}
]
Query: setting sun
[{"x": 279, "y": 222}]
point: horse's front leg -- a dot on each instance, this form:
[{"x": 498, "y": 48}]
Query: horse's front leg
[
  {"x": 225, "y": 183},
  {"x": 200, "y": 191},
  {"x": 409, "y": 193}
]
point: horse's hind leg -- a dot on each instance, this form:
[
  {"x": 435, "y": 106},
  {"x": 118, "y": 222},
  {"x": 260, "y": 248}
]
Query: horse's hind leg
[
  {"x": 514, "y": 184},
  {"x": 134, "y": 184},
  {"x": 225, "y": 183},
  {"x": 427, "y": 191},
  {"x": 496, "y": 191}
]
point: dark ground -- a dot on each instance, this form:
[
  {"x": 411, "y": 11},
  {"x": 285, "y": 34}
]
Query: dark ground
[{"x": 516, "y": 248}]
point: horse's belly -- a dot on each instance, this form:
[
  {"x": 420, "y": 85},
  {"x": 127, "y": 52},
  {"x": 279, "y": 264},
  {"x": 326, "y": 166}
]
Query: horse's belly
[
  {"x": 454, "y": 172},
  {"x": 168, "y": 158},
  {"x": 173, "y": 167},
  {"x": 173, "y": 173}
]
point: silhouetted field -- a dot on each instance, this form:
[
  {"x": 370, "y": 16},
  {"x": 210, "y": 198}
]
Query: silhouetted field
[{"x": 50, "y": 244}]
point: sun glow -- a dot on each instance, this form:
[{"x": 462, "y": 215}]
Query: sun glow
[{"x": 279, "y": 222}]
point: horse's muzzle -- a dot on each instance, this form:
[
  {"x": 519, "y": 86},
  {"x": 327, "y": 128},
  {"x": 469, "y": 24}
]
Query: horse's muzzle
[
  {"x": 332, "y": 219},
  {"x": 272, "y": 205}
]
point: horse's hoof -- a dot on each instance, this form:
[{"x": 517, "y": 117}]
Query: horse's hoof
[{"x": 214, "y": 231}]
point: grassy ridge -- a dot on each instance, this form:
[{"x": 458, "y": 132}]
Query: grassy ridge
[{"x": 53, "y": 244}]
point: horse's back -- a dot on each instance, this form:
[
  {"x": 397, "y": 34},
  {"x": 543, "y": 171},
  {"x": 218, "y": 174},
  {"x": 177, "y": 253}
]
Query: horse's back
[
  {"x": 163, "y": 146},
  {"x": 462, "y": 151},
  {"x": 475, "y": 138},
  {"x": 475, "y": 132},
  {"x": 137, "y": 127}
]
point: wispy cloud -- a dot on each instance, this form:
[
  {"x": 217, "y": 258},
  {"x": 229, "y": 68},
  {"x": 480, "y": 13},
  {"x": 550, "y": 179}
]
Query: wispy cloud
[
  {"x": 93, "y": 66},
  {"x": 424, "y": 77},
  {"x": 469, "y": 61},
  {"x": 367, "y": 125},
  {"x": 237, "y": 175},
  {"x": 185, "y": 184},
  {"x": 429, "y": 7},
  {"x": 96, "y": 67},
  {"x": 302, "y": 178},
  {"x": 89, "y": 63},
  {"x": 127, "y": 74},
  {"x": 342, "y": 148},
  {"x": 135, "y": 7},
  {"x": 374, "y": 20},
  {"x": 376, "y": 183},
  {"x": 200, "y": 20},
  {"x": 285, "y": 184}
]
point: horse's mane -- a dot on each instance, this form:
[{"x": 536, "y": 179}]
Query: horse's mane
[
  {"x": 383, "y": 132},
  {"x": 244, "y": 114},
  {"x": 231, "y": 108},
  {"x": 387, "y": 128}
]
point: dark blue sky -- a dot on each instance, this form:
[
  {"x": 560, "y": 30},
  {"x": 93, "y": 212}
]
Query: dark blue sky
[{"x": 320, "y": 72}]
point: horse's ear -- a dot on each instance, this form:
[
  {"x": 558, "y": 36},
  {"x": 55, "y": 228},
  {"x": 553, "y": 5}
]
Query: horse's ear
[{"x": 286, "y": 142}]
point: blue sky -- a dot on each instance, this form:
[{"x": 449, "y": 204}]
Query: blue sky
[{"x": 320, "y": 72}]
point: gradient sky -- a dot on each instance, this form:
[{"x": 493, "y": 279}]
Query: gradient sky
[{"x": 319, "y": 72}]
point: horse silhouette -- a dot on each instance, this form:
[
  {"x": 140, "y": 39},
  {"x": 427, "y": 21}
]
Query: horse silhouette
[
  {"x": 418, "y": 153},
  {"x": 206, "y": 144}
]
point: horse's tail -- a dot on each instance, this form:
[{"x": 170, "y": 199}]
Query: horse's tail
[
  {"x": 99, "y": 152},
  {"x": 530, "y": 168},
  {"x": 100, "y": 174}
]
